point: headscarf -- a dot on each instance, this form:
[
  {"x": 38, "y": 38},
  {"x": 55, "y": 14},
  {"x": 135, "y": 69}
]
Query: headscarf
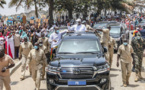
[{"x": 24, "y": 34}]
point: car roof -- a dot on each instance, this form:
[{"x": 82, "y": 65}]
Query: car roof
[
  {"x": 82, "y": 35},
  {"x": 103, "y": 22},
  {"x": 115, "y": 24}
]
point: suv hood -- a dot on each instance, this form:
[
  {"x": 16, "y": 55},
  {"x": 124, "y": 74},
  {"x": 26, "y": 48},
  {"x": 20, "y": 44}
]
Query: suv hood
[{"x": 77, "y": 62}]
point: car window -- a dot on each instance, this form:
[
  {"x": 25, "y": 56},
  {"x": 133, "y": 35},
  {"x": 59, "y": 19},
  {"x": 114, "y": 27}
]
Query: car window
[
  {"x": 100, "y": 25},
  {"x": 115, "y": 30},
  {"x": 75, "y": 46}
]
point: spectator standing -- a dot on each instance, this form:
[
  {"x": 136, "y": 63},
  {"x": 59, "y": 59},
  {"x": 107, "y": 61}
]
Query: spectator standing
[{"x": 16, "y": 43}]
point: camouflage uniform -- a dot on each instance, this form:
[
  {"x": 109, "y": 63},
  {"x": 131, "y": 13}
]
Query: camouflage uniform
[{"x": 137, "y": 45}]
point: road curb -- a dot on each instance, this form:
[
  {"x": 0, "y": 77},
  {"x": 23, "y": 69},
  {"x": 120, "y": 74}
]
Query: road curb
[{"x": 17, "y": 65}]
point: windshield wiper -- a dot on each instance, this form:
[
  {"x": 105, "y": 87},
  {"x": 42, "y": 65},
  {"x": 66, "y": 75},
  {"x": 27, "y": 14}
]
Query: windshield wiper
[
  {"x": 65, "y": 53},
  {"x": 87, "y": 53}
]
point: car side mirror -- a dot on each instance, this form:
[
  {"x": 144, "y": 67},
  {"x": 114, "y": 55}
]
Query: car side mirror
[{"x": 105, "y": 50}]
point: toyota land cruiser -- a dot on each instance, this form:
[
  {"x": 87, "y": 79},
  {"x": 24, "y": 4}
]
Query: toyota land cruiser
[{"x": 79, "y": 64}]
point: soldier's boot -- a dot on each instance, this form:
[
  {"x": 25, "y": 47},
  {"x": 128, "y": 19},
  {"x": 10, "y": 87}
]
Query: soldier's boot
[
  {"x": 140, "y": 76},
  {"x": 124, "y": 85},
  {"x": 127, "y": 80},
  {"x": 37, "y": 89},
  {"x": 22, "y": 78},
  {"x": 137, "y": 78}
]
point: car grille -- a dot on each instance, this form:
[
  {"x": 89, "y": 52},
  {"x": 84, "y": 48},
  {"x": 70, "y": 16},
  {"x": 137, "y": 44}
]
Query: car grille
[
  {"x": 78, "y": 88},
  {"x": 76, "y": 73}
]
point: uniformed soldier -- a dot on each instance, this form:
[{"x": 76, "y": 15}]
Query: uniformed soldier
[
  {"x": 46, "y": 44},
  {"x": 45, "y": 41},
  {"x": 45, "y": 51},
  {"x": 138, "y": 44},
  {"x": 112, "y": 44},
  {"x": 6, "y": 62},
  {"x": 37, "y": 57},
  {"x": 105, "y": 39},
  {"x": 24, "y": 50},
  {"x": 125, "y": 54}
]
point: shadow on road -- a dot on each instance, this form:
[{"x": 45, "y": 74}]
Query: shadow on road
[
  {"x": 114, "y": 69},
  {"x": 14, "y": 82},
  {"x": 133, "y": 85},
  {"x": 27, "y": 77},
  {"x": 113, "y": 75}
]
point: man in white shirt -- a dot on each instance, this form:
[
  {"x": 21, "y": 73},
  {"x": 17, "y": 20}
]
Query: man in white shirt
[
  {"x": 56, "y": 37},
  {"x": 78, "y": 27}
]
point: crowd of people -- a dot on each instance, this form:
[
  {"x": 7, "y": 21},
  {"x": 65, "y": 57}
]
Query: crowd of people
[{"x": 34, "y": 46}]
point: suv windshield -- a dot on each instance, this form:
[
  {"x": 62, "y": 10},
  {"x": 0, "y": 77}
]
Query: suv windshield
[
  {"x": 100, "y": 25},
  {"x": 79, "y": 46},
  {"x": 115, "y": 30}
]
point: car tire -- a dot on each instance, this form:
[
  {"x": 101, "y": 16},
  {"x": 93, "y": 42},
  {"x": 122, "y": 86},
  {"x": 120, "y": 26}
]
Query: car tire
[
  {"x": 107, "y": 86},
  {"x": 48, "y": 85}
]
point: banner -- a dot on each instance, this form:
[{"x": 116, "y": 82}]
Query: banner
[{"x": 24, "y": 19}]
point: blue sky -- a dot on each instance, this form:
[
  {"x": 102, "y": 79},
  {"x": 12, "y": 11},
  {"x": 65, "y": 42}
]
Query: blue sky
[{"x": 10, "y": 11}]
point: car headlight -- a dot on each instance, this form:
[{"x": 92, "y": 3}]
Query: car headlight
[
  {"x": 53, "y": 69},
  {"x": 105, "y": 67}
]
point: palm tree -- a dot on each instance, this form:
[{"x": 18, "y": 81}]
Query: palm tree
[
  {"x": 27, "y": 3},
  {"x": 2, "y": 2}
]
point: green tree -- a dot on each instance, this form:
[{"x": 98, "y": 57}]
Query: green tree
[
  {"x": 68, "y": 5},
  {"x": 2, "y": 2},
  {"x": 122, "y": 5},
  {"x": 28, "y": 3}
]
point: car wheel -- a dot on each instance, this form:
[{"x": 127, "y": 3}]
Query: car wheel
[
  {"x": 107, "y": 86},
  {"x": 48, "y": 85}
]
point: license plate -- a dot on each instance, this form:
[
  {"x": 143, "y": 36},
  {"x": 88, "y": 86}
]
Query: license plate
[{"x": 76, "y": 83}]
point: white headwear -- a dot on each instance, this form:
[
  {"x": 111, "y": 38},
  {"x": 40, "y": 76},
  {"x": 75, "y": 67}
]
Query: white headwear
[{"x": 78, "y": 20}]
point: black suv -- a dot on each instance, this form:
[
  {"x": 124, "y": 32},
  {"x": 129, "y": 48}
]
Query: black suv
[{"x": 79, "y": 64}]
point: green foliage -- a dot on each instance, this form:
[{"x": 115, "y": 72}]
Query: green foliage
[{"x": 2, "y": 2}]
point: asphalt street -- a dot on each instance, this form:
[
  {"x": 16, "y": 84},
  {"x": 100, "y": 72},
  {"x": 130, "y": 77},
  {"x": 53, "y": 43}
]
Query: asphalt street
[
  {"x": 115, "y": 74},
  {"x": 116, "y": 80}
]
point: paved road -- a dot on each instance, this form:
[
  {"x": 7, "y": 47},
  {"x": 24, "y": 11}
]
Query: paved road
[
  {"x": 116, "y": 80},
  {"x": 27, "y": 84}
]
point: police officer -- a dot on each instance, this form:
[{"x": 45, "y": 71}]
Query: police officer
[
  {"x": 125, "y": 54},
  {"x": 137, "y": 44},
  {"x": 112, "y": 44},
  {"x": 45, "y": 41},
  {"x": 6, "y": 62},
  {"x": 37, "y": 57},
  {"x": 46, "y": 44},
  {"x": 24, "y": 50},
  {"x": 105, "y": 39},
  {"x": 41, "y": 46}
]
